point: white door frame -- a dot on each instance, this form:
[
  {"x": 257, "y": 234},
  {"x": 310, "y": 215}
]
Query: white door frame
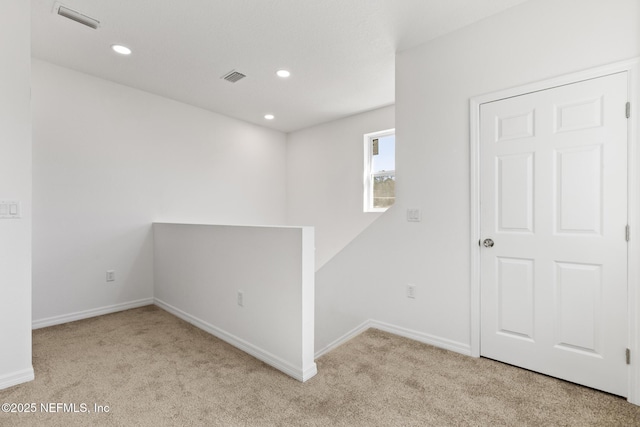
[{"x": 631, "y": 67}]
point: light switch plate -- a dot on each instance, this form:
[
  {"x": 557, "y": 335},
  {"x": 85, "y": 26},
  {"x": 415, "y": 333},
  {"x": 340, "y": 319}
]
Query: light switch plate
[
  {"x": 413, "y": 215},
  {"x": 111, "y": 276},
  {"x": 9, "y": 209}
]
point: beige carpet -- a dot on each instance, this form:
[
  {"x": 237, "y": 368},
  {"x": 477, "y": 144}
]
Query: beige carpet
[{"x": 153, "y": 369}]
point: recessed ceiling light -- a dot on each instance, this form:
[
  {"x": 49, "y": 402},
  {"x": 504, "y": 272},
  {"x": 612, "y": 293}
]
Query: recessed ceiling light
[
  {"x": 283, "y": 73},
  {"x": 122, "y": 50},
  {"x": 269, "y": 116}
]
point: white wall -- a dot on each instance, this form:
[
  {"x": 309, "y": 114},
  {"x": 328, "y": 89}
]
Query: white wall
[
  {"x": 199, "y": 270},
  {"x": 15, "y": 184},
  {"x": 534, "y": 41},
  {"x": 108, "y": 161},
  {"x": 324, "y": 179}
]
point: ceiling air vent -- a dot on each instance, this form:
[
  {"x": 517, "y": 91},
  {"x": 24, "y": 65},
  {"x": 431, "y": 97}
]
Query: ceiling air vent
[
  {"x": 233, "y": 76},
  {"x": 76, "y": 16}
]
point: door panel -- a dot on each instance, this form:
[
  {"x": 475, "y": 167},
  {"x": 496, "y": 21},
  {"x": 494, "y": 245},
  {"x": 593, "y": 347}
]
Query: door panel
[
  {"x": 515, "y": 283},
  {"x": 554, "y": 201},
  {"x": 579, "y": 306},
  {"x": 514, "y": 127},
  {"x": 579, "y": 190},
  {"x": 579, "y": 115},
  {"x": 515, "y": 192}
]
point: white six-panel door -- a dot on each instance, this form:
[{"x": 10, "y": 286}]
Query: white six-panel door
[{"x": 553, "y": 183}]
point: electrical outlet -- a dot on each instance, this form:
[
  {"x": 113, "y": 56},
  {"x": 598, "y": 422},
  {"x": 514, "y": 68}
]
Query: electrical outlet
[
  {"x": 241, "y": 298},
  {"x": 111, "y": 276},
  {"x": 411, "y": 291}
]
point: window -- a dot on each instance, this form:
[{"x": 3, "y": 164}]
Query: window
[{"x": 379, "y": 170}]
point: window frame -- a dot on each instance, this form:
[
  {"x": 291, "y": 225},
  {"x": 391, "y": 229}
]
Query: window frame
[{"x": 367, "y": 173}]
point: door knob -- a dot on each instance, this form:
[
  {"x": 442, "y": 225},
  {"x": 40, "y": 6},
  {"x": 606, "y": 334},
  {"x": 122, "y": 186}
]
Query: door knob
[{"x": 488, "y": 243}]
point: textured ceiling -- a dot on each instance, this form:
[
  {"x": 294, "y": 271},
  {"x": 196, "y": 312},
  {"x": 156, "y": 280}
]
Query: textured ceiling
[{"x": 341, "y": 53}]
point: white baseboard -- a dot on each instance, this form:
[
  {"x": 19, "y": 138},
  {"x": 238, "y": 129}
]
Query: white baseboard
[
  {"x": 258, "y": 353},
  {"x": 309, "y": 373},
  {"x": 85, "y": 314},
  {"x": 433, "y": 340},
  {"x": 344, "y": 338},
  {"x": 16, "y": 378}
]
